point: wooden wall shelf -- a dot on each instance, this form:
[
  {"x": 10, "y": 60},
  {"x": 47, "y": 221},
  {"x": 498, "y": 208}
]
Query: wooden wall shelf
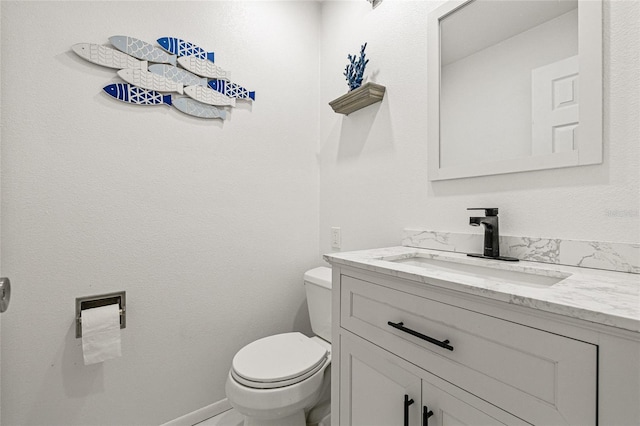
[{"x": 367, "y": 94}]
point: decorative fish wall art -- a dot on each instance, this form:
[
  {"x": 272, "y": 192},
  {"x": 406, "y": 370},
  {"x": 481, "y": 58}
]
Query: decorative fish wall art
[{"x": 151, "y": 74}]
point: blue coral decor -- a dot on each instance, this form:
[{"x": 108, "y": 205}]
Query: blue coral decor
[{"x": 354, "y": 71}]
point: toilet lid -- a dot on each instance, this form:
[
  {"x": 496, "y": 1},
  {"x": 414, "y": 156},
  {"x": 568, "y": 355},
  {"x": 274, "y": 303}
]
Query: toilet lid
[{"x": 278, "y": 360}]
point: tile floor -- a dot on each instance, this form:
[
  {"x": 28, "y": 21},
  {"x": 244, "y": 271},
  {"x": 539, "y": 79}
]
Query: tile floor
[{"x": 228, "y": 418}]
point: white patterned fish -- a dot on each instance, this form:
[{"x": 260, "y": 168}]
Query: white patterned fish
[
  {"x": 202, "y": 67},
  {"x": 150, "y": 81},
  {"x": 209, "y": 96},
  {"x": 141, "y": 50},
  {"x": 198, "y": 109},
  {"x": 106, "y": 56},
  {"x": 178, "y": 75}
]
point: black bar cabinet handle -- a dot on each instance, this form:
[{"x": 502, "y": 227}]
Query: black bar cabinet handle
[
  {"x": 407, "y": 403},
  {"x": 400, "y": 326},
  {"x": 426, "y": 413}
]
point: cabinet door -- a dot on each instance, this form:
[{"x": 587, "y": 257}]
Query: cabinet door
[
  {"x": 373, "y": 387},
  {"x": 448, "y": 405}
]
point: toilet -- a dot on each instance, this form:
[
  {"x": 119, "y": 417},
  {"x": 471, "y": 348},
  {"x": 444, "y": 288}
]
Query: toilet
[{"x": 281, "y": 380}]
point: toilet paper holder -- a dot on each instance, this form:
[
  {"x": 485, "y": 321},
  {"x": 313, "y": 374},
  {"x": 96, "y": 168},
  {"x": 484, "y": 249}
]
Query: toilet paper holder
[{"x": 96, "y": 301}]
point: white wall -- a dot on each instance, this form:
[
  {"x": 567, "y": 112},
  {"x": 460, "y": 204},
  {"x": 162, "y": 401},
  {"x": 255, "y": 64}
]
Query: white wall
[
  {"x": 208, "y": 226},
  {"x": 374, "y": 162}
]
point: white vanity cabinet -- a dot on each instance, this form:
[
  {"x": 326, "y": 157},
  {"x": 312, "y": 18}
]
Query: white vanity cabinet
[{"x": 471, "y": 360}]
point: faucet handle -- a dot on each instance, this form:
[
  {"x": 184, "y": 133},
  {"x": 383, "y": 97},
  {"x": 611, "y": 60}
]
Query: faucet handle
[{"x": 488, "y": 211}]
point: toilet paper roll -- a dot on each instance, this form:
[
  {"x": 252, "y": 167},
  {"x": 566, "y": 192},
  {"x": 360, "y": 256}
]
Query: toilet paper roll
[{"x": 101, "y": 333}]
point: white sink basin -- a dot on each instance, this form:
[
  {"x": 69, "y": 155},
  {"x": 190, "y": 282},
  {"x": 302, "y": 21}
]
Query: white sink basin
[{"x": 518, "y": 277}]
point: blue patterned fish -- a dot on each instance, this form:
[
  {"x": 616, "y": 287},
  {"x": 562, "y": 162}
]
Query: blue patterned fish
[
  {"x": 141, "y": 50},
  {"x": 184, "y": 48},
  {"x": 136, "y": 95},
  {"x": 231, "y": 89},
  {"x": 198, "y": 109},
  {"x": 177, "y": 75}
]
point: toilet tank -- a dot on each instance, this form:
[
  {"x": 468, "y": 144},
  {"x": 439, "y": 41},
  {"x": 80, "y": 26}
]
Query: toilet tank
[{"x": 317, "y": 283}]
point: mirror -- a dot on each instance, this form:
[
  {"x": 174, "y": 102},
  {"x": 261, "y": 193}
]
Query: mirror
[{"x": 514, "y": 85}]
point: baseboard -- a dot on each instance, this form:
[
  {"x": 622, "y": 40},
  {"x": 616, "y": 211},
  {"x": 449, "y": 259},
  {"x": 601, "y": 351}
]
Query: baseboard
[{"x": 201, "y": 414}]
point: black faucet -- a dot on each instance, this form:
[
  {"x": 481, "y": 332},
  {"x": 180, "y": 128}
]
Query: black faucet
[{"x": 491, "y": 234}]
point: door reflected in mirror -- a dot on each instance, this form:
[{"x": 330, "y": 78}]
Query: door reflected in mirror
[{"x": 515, "y": 85}]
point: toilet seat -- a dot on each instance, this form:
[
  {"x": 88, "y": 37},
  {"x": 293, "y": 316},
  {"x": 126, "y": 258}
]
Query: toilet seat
[{"x": 278, "y": 361}]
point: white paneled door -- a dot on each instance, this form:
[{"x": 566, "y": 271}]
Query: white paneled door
[{"x": 554, "y": 107}]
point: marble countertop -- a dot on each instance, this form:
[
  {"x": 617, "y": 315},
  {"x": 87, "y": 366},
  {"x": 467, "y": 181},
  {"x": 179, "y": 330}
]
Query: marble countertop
[{"x": 603, "y": 297}]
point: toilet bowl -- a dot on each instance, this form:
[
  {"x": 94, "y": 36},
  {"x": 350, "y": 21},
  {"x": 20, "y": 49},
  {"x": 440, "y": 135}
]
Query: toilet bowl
[
  {"x": 280, "y": 398},
  {"x": 277, "y": 380}
]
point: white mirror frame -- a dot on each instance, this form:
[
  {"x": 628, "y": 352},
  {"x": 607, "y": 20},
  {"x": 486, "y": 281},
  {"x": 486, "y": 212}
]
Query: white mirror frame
[{"x": 589, "y": 149}]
